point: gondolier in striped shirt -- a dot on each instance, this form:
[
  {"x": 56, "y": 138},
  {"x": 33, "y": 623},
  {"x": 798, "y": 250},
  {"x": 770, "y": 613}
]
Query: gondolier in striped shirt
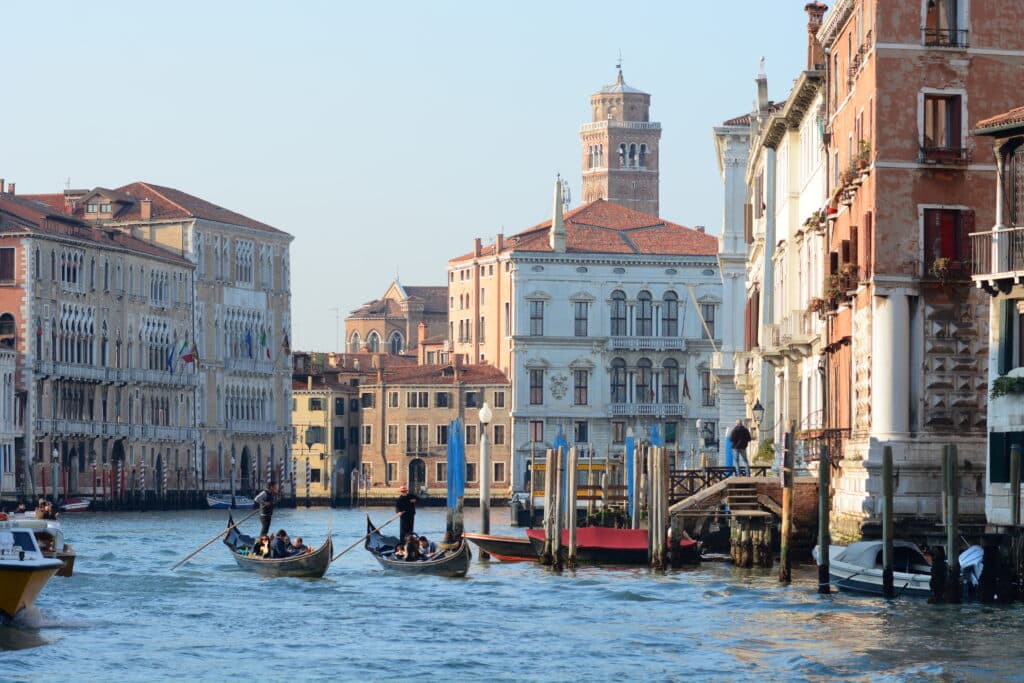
[{"x": 265, "y": 500}]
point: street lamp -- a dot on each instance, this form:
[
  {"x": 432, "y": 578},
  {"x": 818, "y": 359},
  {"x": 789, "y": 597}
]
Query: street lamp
[
  {"x": 485, "y": 416},
  {"x": 232, "y": 480},
  {"x": 758, "y": 413},
  {"x": 310, "y": 440}
]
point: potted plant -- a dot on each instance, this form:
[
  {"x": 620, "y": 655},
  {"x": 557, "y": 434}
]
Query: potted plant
[
  {"x": 863, "y": 158},
  {"x": 941, "y": 268},
  {"x": 1001, "y": 386},
  {"x": 816, "y": 305}
]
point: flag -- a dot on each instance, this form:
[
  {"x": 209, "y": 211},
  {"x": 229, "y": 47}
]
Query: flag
[
  {"x": 190, "y": 355},
  {"x": 263, "y": 343},
  {"x": 686, "y": 388},
  {"x": 170, "y": 360},
  {"x": 248, "y": 341},
  {"x": 286, "y": 345}
]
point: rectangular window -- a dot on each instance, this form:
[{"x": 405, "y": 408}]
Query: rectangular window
[
  {"x": 470, "y": 435},
  {"x": 947, "y": 243},
  {"x": 7, "y": 264},
  {"x": 483, "y": 292},
  {"x": 499, "y": 435},
  {"x": 499, "y": 473},
  {"x": 353, "y": 404},
  {"x": 710, "y": 433},
  {"x": 470, "y": 471},
  {"x": 353, "y": 435},
  {"x": 480, "y": 330},
  {"x": 471, "y": 399},
  {"x": 392, "y": 471},
  {"x": 942, "y": 24},
  {"x": 314, "y": 475},
  {"x": 579, "y": 387},
  {"x": 536, "y": 318},
  {"x": 441, "y": 399},
  {"x": 441, "y": 472},
  {"x": 441, "y": 435},
  {"x": 537, "y": 430},
  {"x": 368, "y": 399},
  {"x": 707, "y": 311},
  {"x": 536, "y": 387},
  {"x": 367, "y": 435},
  {"x": 707, "y": 395},
  {"x": 416, "y": 439},
  {"x": 392, "y": 435},
  {"x": 392, "y": 399},
  {"x": 339, "y": 406},
  {"x": 316, "y": 404},
  {"x": 581, "y": 431},
  {"x": 508, "y": 320},
  {"x": 417, "y": 399},
  {"x": 580, "y": 318},
  {"x": 339, "y": 438},
  {"x": 670, "y": 432},
  {"x": 942, "y": 142},
  {"x": 618, "y": 432},
  {"x": 499, "y": 399}
]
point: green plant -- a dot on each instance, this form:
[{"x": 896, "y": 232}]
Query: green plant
[
  {"x": 765, "y": 453},
  {"x": 863, "y": 157},
  {"x": 941, "y": 268},
  {"x": 816, "y": 304},
  {"x": 1001, "y": 386}
]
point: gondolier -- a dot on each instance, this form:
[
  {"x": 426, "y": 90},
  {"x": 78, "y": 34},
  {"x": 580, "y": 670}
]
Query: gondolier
[
  {"x": 406, "y": 504},
  {"x": 265, "y": 499}
]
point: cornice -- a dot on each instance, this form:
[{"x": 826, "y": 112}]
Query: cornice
[{"x": 834, "y": 22}]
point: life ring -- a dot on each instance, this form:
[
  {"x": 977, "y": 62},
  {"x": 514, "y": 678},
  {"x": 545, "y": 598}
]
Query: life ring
[{"x": 3, "y": 517}]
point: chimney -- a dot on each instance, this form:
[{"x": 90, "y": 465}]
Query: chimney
[
  {"x": 815, "y": 53},
  {"x": 332, "y": 359},
  {"x": 1, "y": 184},
  {"x": 309, "y": 382},
  {"x": 375, "y": 361},
  {"x": 557, "y": 235},
  {"x": 499, "y": 243},
  {"x": 476, "y": 247},
  {"x": 699, "y": 228},
  {"x": 421, "y": 333},
  {"x": 10, "y": 188},
  {"x": 146, "y": 209}
]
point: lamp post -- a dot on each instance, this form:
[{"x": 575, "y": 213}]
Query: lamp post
[
  {"x": 232, "y": 481},
  {"x": 758, "y": 412},
  {"x": 56, "y": 471},
  {"x": 485, "y": 416},
  {"x": 310, "y": 440}
]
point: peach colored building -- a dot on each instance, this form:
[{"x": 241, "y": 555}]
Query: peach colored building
[{"x": 391, "y": 324}]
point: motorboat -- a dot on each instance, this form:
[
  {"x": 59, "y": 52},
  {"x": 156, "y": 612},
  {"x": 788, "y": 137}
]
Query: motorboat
[
  {"x": 604, "y": 545},
  {"x": 75, "y": 505},
  {"x": 24, "y": 570},
  {"x": 310, "y": 565},
  {"x": 50, "y": 536},
  {"x": 504, "y": 548},
  {"x": 223, "y": 501},
  {"x": 858, "y": 568}
]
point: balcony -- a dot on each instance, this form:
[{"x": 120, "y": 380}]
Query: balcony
[
  {"x": 647, "y": 343},
  {"x": 113, "y": 429},
  {"x": 647, "y": 409},
  {"x": 944, "y": 37},
  {"x": 997, "y": 255},
  {"x": 611, "y": 123},
  {"x": 943, "y": 156},
  {"x": 743, "y": 370},
  {"x": 250, "y": 366},
  {"x": 253, "y": 427}
]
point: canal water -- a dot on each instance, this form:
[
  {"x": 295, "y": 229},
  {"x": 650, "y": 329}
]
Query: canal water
[{"x": 125, "y": 616}]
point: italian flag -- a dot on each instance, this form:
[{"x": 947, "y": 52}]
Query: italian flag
[{"x": 187, "y": 352}]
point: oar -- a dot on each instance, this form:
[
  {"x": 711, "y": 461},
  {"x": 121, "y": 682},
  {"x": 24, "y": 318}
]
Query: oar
[
  {"x": 196, "y": 552},
  {"x": 364, "y": 537}
]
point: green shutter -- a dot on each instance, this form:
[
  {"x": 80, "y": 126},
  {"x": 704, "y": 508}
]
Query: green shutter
[
  {"x": 999, "y": 444},
  {"x": 1006, "y": 315}
]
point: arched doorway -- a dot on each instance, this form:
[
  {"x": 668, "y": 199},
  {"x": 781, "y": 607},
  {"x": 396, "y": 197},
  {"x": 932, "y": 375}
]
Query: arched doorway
[
  {"x": 158, "y": 484},
  {"x": 117, "y": 474},
  {"x": 417, "y": 475},
  {"x": 81, "y": 476},
  {"x": 245, "y": 473}
]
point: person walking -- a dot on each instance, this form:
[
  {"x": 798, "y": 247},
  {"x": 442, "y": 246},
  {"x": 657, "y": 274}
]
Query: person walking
[
  {"x": 739, "y": 438},
  {"x": 406, "y": 504},
  {"x": 265, "y": 500}
]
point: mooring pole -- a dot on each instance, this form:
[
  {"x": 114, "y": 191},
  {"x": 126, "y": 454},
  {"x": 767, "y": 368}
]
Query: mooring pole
[
  {"x": 570, "y": 505},
  {"x": 824, "y": 514},
  {"x": 549, "y": 504},
  {"x": 785, "y": 566},
  {"x": 634, "y": 522},
  {"x": 888, "y": 590},
  {"x": 1015, "y": 485},
  {"x": 953, "y": 587},
  {"x": 556, "y": 537}
]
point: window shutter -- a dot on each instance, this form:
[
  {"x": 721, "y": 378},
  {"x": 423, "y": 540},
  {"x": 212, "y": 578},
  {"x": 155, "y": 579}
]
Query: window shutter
[
  {"x": 866, "y": 242},
  {"x": 1006, "y": 342},
  {"x": 748, "y": 224},
  {"x": 964, "y": 238}
]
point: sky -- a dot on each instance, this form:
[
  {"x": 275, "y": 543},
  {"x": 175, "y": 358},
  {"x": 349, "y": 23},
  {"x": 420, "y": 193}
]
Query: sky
[{"x": 384, "y": 136}]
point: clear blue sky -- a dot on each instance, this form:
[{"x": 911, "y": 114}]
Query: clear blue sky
[{"x": 384, "y": 136}]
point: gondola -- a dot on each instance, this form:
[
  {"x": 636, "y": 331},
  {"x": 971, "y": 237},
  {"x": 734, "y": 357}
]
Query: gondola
[
  {"x": 603, "y": 545},
  {"x": 504, "y": 548},
  {"x": 453, "y": 563},
  {"x": 222, "y": 501},
  {"x": 311, "y": 565}
]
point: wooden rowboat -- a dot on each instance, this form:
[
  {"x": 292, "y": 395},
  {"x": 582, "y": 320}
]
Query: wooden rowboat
[
  {"x": 311, "y": 565},
  {"x": 454, "y": 562},
  {"x": 504, "y": 548}
]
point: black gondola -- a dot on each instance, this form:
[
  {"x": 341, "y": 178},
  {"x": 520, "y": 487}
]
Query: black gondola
[
  {"x": 308, "y": 565},
  {"x": 454, "y": 562}
]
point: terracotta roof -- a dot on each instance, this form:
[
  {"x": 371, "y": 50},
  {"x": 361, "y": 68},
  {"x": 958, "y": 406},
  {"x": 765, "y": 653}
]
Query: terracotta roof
[
  {"x": 744, "y": 119},
  {"x": 41, "y": 218},
  {"x": 377, "y": 308},
  {"x": 1012, "y": 117},
  {"x": 167, "y": 204},
  {"x": 608, "y": 228},
  {"x": 445, "y": 375},
  {"x": 434, "y": 298}
]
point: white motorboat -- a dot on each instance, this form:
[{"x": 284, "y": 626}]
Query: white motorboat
[
  {"x": 858, "y": 568},
  {"x": 24, "y": 570}
]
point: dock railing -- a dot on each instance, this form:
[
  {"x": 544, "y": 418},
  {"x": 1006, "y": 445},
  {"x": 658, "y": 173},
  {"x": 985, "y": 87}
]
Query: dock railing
[{"x": 684, "y": 483}]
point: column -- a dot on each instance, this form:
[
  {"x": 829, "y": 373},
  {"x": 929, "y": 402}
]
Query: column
[{"x": 890, "y": 365}]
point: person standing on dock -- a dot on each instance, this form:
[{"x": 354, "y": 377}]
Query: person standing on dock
[
  {"x": 739, "y": 438},
  {"x": 265, "y": 500},
  {"x": 406, "y": 504}
]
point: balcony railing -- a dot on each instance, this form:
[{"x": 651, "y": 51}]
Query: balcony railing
[
  {"x": 250, "y": 427},
  {"x": 653, "y": 409},
  {"x": 647, "y": 343},
  {"x": 997, "y": 252},
  {"x": 611, "y": 123},
  {"x": 47, "y": 425},
  {"x": 943, "y": 156},
  {"x": 944, "y": 37},
  {"x": 254, "y": 365}
]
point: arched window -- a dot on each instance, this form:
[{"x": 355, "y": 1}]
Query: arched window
[
  {"x": 622, "y": 155},
  {"x": 643, "y": 156},
  {"x": 644, "y": 390},
  {"x": 670, "y": 381},
  {"x": 632, "y": 155},
  {"x": 353, "y": 344},
  {"x": 618, "y": 313},
  {"x": 644, "y": 314},
  {"x": 7, "y": 328},
  {"x": 373, "y": 342},
  {"x": 396, "y": 343},
  {"x": 618, "y": 380},
  {"x": 670, "y": 315},
  {"x": 1013, "y": 184}
]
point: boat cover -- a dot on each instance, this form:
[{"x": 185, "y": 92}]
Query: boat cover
[
  {"x": 606, "y": 538},
  {"x": 868, "y": 554}
]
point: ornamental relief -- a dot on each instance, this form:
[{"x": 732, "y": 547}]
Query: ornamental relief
[{"x": 559, "y": 386}]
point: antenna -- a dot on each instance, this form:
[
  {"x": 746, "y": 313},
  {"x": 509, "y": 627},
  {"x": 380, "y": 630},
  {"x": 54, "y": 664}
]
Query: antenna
[
  {"x": 618, "y": 64},
  {"x": 67, "y": 183}
]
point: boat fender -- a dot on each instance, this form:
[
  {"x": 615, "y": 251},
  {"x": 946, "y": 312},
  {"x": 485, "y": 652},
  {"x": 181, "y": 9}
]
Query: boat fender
[{"x": 3, "y": 517}]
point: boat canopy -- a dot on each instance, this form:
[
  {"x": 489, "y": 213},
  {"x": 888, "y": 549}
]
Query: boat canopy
[{"x": 869, "y": 554}]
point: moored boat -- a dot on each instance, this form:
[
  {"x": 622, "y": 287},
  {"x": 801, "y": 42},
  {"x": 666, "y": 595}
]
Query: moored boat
[
  {"x": 858, "y": 568},
  {"x": 603, "y": 545},
  {"x": 222, "y": 501},
  {"x": 312, "y": 564},
  {"x": 504, "y": 548},
  {"x": 454, "y": 562},
  {"x": 75, "y": 505},
  {"x": 24, "y": 570}
]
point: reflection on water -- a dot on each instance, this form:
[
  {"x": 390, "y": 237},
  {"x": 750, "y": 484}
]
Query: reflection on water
[{"x": 125, "y": 614}]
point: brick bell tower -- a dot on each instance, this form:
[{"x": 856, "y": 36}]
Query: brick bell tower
[{"x": 620, "y": 148}]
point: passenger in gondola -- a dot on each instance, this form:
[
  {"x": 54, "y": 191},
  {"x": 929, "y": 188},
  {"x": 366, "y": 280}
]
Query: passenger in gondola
[
  {"x": 447, "y": 543},
  {"x": 412, "y": 549},
  {"x": 279, "y": 546},
  {"x": 298, "y": 547},
  {"x": 427, "y": 548},
  {"x": 400, "y": 551},
  {"x": 49, "y": 512},
  {"x": 261, "y": 549},
  {"x": 406, "y": 504},
  {"x": 40, "y": 510}
]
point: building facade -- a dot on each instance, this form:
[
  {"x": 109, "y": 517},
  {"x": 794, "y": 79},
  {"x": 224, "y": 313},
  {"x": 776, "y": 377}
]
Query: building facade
[
  {"x": 391, "y": 324},
  {"x": 12, "y": 425}
]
